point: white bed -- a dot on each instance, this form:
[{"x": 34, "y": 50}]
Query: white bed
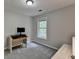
[{"x": 66, "y": 51}]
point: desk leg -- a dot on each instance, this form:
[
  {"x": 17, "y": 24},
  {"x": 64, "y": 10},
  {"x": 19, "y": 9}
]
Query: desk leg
[
  {"x": 10, "y": 45},
  {"x": 10, "y": 49},
  {"x": 25, "y": 43}
]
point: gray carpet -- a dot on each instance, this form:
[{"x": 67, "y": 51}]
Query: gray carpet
[{"x": 33, "y": 51}]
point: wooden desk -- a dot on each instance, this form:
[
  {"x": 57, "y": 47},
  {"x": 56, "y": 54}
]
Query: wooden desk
[{"x": 16, "y": 40}]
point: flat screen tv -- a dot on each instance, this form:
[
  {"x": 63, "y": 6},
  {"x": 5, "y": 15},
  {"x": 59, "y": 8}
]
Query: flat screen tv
[{"x": 20, "y": 30}]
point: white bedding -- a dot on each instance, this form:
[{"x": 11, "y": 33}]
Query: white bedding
[{"x": 65, "y": 52}]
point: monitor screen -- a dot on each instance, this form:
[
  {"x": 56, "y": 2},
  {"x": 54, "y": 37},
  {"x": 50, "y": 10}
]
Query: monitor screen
[{"x": 20, "y": 29}]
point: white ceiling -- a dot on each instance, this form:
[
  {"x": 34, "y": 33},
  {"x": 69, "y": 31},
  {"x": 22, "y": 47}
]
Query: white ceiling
[{"x": 46, "y": 5}]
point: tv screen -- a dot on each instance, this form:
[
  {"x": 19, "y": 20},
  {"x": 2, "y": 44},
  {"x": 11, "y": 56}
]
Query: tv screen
[{"x": 20, "y": 29}]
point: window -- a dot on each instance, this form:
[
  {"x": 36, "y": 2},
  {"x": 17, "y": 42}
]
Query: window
[{"x": 42, "y": 29}]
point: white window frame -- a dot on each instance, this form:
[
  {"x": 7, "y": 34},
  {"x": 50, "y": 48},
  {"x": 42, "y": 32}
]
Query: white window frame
[{"x": 44, "y": 19}]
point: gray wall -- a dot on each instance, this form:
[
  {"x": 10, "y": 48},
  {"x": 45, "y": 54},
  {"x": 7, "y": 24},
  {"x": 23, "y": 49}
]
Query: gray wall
[
  {"x": 61, "y": 26},
  {"x": 12, "y": 20}
]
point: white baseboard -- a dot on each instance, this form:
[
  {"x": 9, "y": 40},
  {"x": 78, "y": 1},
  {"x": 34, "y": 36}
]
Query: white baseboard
[
  {"x": 41, "y": 44},
  {"x": 5, "y": 48},
  {"x": 45, "y": 45}
]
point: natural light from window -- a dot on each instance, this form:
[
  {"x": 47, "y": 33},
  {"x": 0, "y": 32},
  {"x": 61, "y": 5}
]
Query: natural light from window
[{"x": 42, "y": 29}]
